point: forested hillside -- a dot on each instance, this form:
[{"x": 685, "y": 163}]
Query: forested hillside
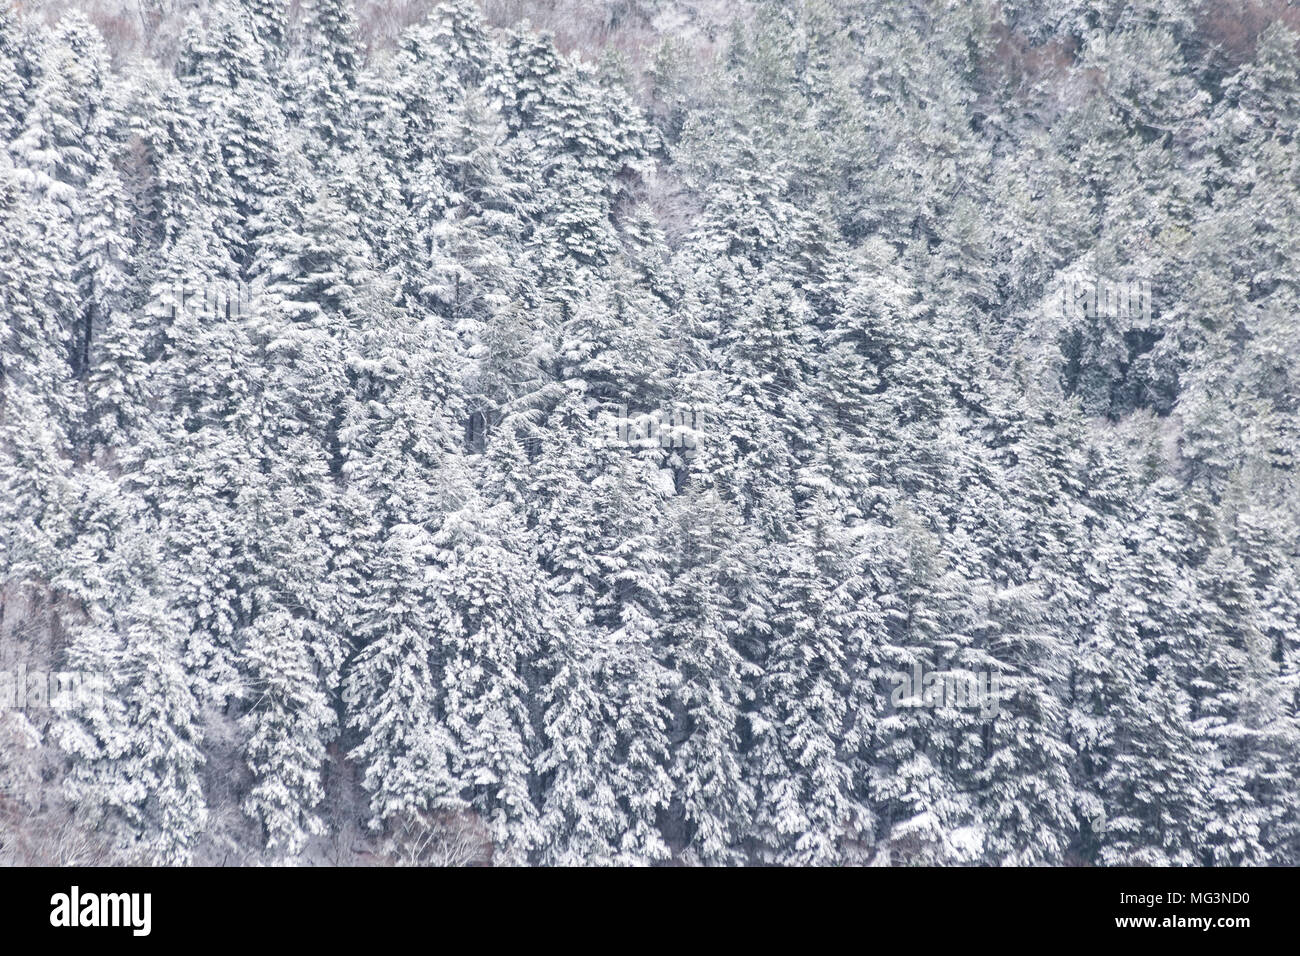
[{"x": 424, "y": 439}]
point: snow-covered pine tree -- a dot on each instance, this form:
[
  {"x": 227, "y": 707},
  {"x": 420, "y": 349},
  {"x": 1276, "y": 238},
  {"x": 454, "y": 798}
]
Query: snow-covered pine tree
[
  {"x": 807, "y": 804},
  {"x": 485, "y": 576},
  {"x": 132, "y": 728},
  {"x": 392, "y": 690}
]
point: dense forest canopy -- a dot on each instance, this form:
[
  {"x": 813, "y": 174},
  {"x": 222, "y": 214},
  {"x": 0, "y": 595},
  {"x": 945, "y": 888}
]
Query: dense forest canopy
[{"x": 647, "y": 431}]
